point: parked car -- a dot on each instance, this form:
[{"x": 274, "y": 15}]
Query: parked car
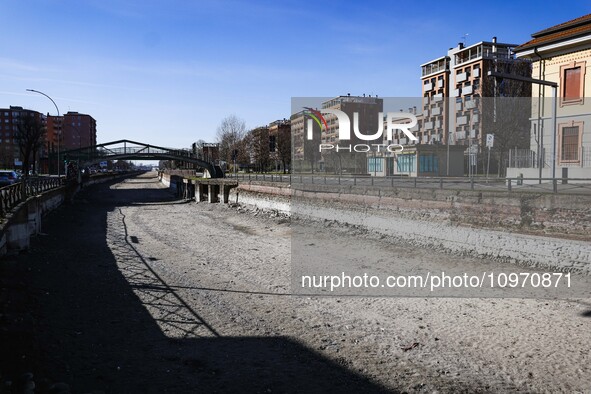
[{"x": 8, "y": 177}]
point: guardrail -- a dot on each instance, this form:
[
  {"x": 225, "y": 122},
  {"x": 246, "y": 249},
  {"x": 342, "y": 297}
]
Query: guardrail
[
  {"x": 12, "y": 195},
  {"x": 547, "y": 185}
]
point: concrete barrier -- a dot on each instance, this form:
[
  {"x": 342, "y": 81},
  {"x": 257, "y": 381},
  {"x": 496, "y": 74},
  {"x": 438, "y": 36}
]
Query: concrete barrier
[{"x": 25, "y": 219}]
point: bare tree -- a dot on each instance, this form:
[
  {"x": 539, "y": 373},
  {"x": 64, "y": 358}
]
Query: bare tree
[
  {"x": 30, "y": 136},
  {"x": 229, "y": 135},
  {"x": 283, "y": 146},
  {"x": 506, "y": 109},
  {"x": 260, "y": 148},
  {"x": 244, "y": 151}
]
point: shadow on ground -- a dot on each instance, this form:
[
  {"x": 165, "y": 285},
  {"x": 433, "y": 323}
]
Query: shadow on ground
[{"x": 68, "y": 314}]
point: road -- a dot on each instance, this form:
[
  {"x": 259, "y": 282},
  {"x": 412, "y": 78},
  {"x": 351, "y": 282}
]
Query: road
[{"x": 128, "y": 290}]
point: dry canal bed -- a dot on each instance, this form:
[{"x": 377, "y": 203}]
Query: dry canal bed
[{"x": 128, "y": 290}]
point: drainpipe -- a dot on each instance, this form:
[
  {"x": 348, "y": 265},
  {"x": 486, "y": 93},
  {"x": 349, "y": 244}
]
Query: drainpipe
[{"x": 540, "y": 140}]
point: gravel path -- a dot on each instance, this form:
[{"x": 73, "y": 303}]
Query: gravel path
[{"x": 153, "y": 295}]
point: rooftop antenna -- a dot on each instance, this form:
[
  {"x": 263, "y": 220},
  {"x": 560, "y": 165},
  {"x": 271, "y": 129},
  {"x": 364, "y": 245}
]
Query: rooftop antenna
[{"x": 464, "y": 37}]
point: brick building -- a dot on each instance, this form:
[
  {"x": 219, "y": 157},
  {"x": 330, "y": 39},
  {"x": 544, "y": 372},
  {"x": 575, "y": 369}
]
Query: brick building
[{"x": 10, "y": 155}]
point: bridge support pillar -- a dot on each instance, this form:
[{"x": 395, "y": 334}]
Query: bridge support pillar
[
  {"x": 201, "y": 192},
  {"x": 214, "y": 190},
  {"x": 188, "y": 189},
  {"x": 227, "y": 193}
]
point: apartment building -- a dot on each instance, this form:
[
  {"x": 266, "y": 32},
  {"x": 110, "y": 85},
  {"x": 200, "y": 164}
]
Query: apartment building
[
  {"x": 435, "y": 77},
  {"x": 77, "y": 131},
  {"x": 399, "y": 137},
  {"x": 559, "y": 54},
  {"x": 455, "y": 88},
  {"x": 384, "y": 162},
  {"x": 368, "y": 110},
  {"x": 419, "y": 158},
  {"x": 10, "y": 155}
]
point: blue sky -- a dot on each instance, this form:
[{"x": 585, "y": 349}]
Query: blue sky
[{"x": 167, "y": 72}]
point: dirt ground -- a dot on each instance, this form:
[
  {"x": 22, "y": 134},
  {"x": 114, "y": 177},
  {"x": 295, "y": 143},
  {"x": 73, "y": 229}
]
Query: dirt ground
[{"x": 128, "y": 290}]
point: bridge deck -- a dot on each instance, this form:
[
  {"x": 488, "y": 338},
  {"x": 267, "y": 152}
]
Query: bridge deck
[{"x": 213, "y": 181}]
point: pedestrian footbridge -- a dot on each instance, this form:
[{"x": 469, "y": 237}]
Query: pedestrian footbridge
[{"x": 132, "y": 150}]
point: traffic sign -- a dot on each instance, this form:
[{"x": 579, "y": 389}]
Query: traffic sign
[{"x": 490, "y": 140}]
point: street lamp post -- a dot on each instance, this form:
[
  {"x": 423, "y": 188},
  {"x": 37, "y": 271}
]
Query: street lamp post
[
  {"x": 554, "y": 87},
  {"x": 59, "y": 132}
]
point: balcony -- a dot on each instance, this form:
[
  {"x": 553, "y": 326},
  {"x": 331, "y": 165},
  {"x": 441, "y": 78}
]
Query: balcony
[
  {"x": 440, "y": 83},
  {"x": 428, "y": 87},
  {"x": 437, "y": 98},
  {"x": 457, "y": 92},
  {"x": 435, "y": 67},
  {"x": 476, "y": 72},
  {"x": 460, "y": 135},
  {"x": 471, "y": 104},
  {"x": 461, "y": 120},
  {"x": 461, "y": 77},
  {"x": 438, "y": 124},
  {"x": 425, "y": 100},
  {"x": 403, "y": 141},
  {"x": 467, "y": 90},
  {"x": 425, "y": 139},
  {"x": 472, "y": 133},
  {"x": 436, "y": 111},
  {"x": 475, "y": 118},
  {"x": 428, "y": 125},
  {"x": 459, "y": 106}
]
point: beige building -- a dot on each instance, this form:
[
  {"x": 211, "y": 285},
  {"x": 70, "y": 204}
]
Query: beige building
[
  {"x": 384, "y": 162},
  {"x": 369, "y": 109},
  {"x": 343, "y": 158},
  {"x": 560, "y": 54},
  {"x": 279, "y": 130},
  {"x": 305, "y": 154}
]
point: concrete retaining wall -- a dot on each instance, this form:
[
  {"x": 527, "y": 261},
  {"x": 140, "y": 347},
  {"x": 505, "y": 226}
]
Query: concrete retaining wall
[
  {"x": 25, "y": 219},
  {"x": 269, "y": 197},
  {"x": 531, "y": 213},
  {"x": 528, "y": 228},
  {"x": 170, "y": 181}
]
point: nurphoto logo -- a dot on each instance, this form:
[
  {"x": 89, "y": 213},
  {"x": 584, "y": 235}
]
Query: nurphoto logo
[{"x": 393, "y": 120}]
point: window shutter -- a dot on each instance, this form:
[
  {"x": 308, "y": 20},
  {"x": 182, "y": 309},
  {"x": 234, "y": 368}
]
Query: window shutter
[{"x": 572, "y": 77}]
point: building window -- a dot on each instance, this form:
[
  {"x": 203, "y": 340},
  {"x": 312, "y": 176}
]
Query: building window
[
  {"x": 569, "y": 137},
  {"x": 405, "y": 163},
  {"x": 572, "y": 83},
  {"x": 428, "y": 163},
  {"x": 374, "y": 164}
]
